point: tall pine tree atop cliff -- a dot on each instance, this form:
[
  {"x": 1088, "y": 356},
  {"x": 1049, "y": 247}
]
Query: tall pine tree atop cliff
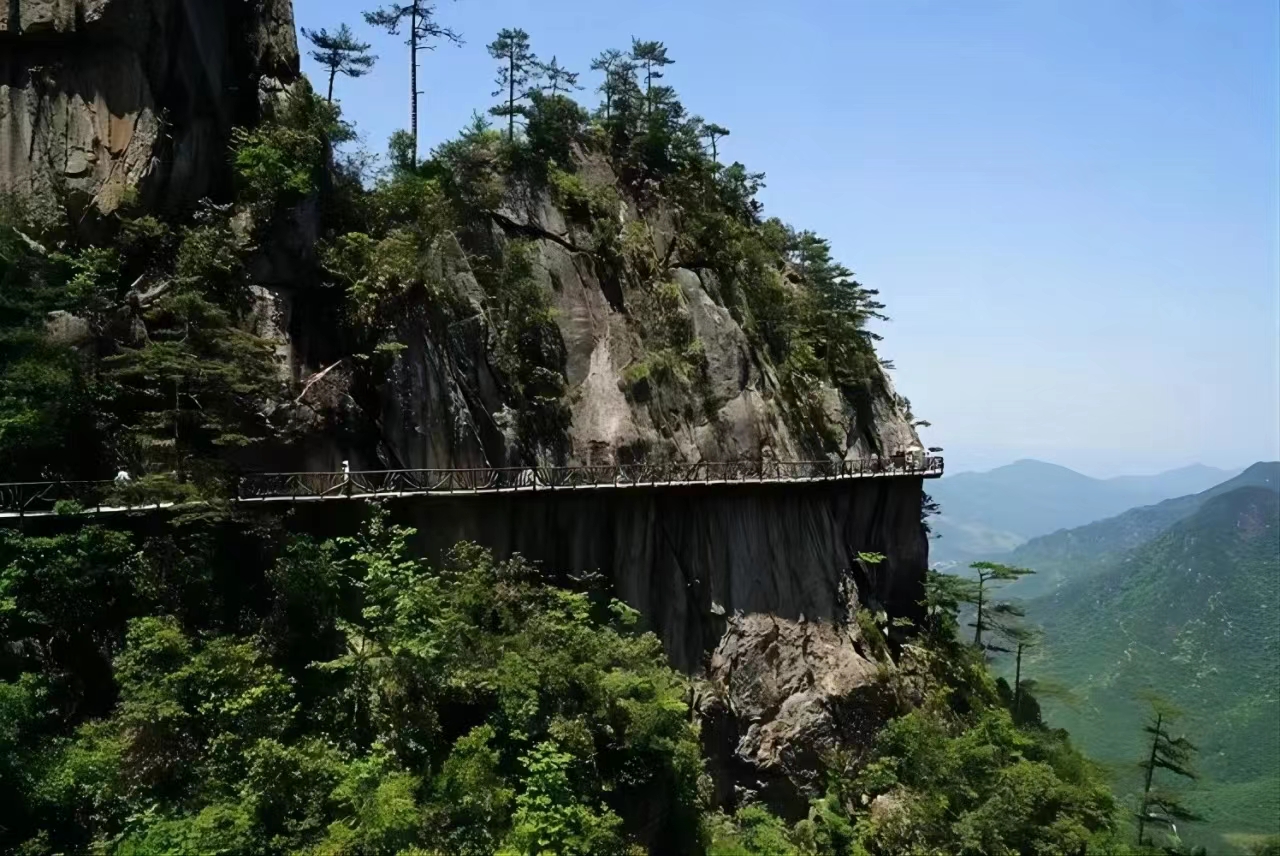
[
  {"x": 558, "y": 78},
  {"x": 511, "y": 47},
  {"x": 418, "y": 19},
  {"x": 619, "y": 75},
  {"x": 713, "y": 134},
  {"x": 652, "y": 57}
]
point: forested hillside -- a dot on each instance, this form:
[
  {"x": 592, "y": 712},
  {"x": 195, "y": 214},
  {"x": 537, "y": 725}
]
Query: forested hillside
[
  {"x": 216, "y": 684},
  {"x": 1074, "y": 554},
  {"x": 1194, "y": 615}
]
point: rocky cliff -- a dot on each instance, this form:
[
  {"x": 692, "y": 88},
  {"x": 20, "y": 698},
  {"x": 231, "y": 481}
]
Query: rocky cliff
[
  {"x": 752, "y": 589},
  {"x": 643, "y": 349},
  {"x": 105, "y": 100},
  {"x": 442, "y": 403}
]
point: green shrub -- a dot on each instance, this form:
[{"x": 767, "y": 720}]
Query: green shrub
[
  {"x": 283, "y": 160},
  {"x": 587, "y": 204}
]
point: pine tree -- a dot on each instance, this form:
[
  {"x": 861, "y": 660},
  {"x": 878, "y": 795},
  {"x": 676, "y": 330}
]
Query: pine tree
[
  {"x": 714, "y": 132},
  {"x": 842, "y": 307},
  {"x": 422, "y": 27},
  {"x": 992, "y": 615},
  {"x": 1167, "y": 753},
  {"x": 943, "y": 595},
  {"x": 558, "y": 78},
  {"x": 518, "y": 65},
  {"x": 340, "y": 53},
  {"x": 653, "y": 57},
  {"x": 619, "y": 77},
  {"x": 1018, "y": 638},
  {"x": 834, "y": 282}
]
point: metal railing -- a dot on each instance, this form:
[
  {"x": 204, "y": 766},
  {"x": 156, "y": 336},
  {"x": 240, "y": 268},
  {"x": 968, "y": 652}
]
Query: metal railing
[{"x": 21, "y": 499}]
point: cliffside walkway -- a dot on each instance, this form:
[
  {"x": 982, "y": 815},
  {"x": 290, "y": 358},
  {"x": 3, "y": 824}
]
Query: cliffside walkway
[{"x": 42, "y": 499}]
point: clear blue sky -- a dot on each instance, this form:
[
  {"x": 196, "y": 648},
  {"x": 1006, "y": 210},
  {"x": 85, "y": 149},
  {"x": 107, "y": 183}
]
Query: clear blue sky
[{"x": 1071, "y": 208}]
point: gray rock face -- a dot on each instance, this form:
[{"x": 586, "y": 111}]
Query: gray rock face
[
  {"x": 440, "y": 403},
  {"x": 795, "y": 688},
  {"x": 749, "y": 586},
  {"x": 738, "y": 412},
  {"x": 104, "y": 99},
  {"x": 67, "y": 330},
  {"x": 704, "y": 564}
]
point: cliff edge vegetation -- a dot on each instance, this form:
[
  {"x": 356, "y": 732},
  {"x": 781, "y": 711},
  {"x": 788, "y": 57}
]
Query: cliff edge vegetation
[
  {"x": 581, "y": 286},
  {"x": 232, "y": 687}
]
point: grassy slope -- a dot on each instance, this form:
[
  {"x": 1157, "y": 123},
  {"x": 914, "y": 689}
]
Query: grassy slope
[{"x": 1195, "y": 615}]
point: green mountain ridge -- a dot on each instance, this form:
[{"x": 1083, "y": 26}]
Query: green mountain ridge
[
  {"x": 1193, "y": 614},
  {"x": 1086, "y": 550},
  {"x": 995, "y": 511}
]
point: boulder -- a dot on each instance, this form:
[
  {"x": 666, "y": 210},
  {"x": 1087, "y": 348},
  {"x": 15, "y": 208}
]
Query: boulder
[
  {"x": 796, "y": 690},
  {"x": 66, "y": 330}
]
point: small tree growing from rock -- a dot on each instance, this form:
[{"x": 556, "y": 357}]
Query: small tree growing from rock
[{"x": 340, "y": 53}]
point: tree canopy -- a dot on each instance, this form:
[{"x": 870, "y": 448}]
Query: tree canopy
[{"x": 340, "y": 53}]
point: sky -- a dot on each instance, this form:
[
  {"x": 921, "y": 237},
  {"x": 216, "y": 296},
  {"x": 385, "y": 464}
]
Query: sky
[{"x": 1070, "y": 207}]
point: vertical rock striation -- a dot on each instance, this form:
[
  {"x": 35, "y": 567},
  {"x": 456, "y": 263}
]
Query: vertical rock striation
[{"x": 102, "y": 101}]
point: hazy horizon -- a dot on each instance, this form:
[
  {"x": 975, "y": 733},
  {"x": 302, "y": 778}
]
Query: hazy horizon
[
  {"x": 1070, "y": 210},
  {"x": 960, "y": 464}
]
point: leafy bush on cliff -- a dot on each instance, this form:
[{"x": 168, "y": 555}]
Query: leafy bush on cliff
[
  {"x": 286, "y": 159},
  {"x": 365, "y": 703}
]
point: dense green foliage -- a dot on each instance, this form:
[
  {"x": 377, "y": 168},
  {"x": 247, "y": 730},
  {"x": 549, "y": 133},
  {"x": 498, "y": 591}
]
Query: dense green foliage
[
  {"x": 219, "y": 685},
  {"x": 141, "y": 350},
  {"x": 1195, "y": 615},
  {"x": 359, "y": 703}
]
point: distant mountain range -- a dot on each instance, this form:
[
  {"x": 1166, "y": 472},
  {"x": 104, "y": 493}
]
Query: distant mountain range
[
  {"x": 1182, "y": 598},
  {"x": 1080, "y": 552},
  {"x": 994, "y": 512}
]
